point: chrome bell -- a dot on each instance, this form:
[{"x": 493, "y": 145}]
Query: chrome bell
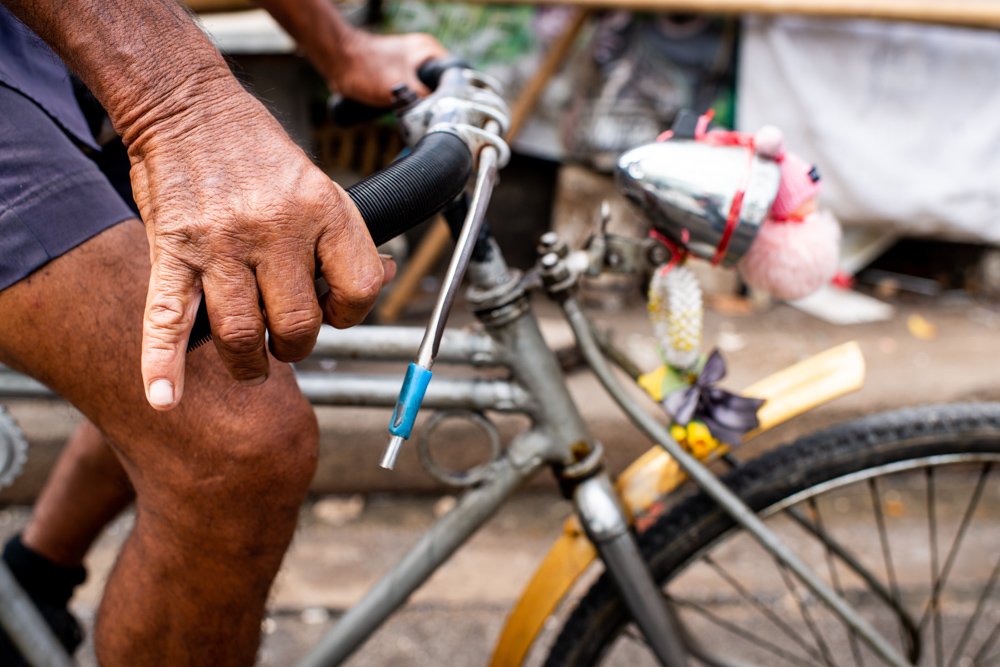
[{"x": 686, "y": 190}]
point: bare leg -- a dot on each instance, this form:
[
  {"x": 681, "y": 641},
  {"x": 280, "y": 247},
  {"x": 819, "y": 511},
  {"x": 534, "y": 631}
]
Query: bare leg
[
  {"x": 87, "y": 489},
  {"x": 218, "y": 480}
]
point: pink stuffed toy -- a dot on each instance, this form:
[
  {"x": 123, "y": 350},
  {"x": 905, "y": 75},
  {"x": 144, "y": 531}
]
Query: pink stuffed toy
[{"x": 796, "y": 250}]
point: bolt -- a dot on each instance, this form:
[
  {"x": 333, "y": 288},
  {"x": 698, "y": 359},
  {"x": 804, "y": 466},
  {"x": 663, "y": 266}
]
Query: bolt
[
  {"x": 550, "y": 261},
  {"x": 551, "y": 242},
  {"x": 658, "y": 255}
]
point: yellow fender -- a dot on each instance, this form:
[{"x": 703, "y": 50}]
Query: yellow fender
[{"x": 788, "y": 393}]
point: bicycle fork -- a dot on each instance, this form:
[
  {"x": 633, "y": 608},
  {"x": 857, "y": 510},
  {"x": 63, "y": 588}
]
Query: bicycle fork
[
  {"x": 576, "y": 458},
  {"x": 607, "y": 527}
]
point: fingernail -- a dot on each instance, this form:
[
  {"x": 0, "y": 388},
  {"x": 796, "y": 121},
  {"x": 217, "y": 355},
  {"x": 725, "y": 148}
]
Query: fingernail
[
  {"x": 385, "y": 256},
  {"x": 254, "y": 382},
  {"x": 161, "y": 393}
]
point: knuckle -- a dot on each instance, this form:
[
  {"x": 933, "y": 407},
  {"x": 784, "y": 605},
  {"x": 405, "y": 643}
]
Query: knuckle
[
  {"x": 240, "y": 336},
  {"x": 366, "y": 287},
  {"x": 166, "y": 317},
  {"x": 296, "y": 327}
]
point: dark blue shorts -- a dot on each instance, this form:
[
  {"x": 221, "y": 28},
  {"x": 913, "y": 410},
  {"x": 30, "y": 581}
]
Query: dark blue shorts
[{"x": 53, "y": 196}]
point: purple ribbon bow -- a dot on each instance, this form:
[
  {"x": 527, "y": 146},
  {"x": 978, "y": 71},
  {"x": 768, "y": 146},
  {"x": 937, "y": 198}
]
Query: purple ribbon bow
[{"x": 728, "y": 416}]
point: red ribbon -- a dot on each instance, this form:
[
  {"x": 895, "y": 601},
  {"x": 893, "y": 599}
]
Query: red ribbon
[{"x": 718, "y": 138}]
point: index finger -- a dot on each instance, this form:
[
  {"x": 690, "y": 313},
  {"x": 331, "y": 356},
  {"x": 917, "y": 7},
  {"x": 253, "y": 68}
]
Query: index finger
[{"x": 171, "y": 303}]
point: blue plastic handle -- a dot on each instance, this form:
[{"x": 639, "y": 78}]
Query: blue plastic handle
[{"x": 411, "y": 395}]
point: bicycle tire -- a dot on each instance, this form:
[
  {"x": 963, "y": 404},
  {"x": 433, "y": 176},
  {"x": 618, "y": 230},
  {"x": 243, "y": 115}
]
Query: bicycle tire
[{"x": 886, "y": 441}]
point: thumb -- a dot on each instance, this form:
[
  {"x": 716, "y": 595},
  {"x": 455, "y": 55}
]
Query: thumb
[{"x": 171, "y": 304}]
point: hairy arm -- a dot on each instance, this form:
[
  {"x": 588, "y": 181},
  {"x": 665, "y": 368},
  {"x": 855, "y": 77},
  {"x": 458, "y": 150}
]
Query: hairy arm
[{"x": 232, "y": 207}]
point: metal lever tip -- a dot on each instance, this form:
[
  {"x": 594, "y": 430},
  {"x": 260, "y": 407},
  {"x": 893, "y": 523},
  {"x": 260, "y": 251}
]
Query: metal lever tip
[{"x": 391, "y": 452}]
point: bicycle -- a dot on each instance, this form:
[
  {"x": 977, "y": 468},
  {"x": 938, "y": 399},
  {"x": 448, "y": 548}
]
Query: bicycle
[{"x": 643, "y": 542}]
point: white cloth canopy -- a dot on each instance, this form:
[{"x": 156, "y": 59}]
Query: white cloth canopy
[{"x": 903, "y": 120}]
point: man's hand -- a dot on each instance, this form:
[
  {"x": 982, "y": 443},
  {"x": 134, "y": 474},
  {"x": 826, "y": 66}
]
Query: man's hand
[
  {"x": 372, "y": 64},
  {"x": 235, "y": 209},
  {"x": 356, "y": 64}
]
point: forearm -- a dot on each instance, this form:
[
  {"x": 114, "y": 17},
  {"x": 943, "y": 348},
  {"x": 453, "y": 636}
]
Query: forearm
[
  {"x": 324, "y": 36},
  {"x": 145, "y": 60}
]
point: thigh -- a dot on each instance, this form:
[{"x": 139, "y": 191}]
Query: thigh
[{"x": 75, "y": 325}]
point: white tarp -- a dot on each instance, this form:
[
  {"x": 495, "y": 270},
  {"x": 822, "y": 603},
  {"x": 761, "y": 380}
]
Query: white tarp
[{"x": 903, "y": 120}]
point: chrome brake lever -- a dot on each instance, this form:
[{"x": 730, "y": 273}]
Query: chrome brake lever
[{"x": 418, "y": 374}]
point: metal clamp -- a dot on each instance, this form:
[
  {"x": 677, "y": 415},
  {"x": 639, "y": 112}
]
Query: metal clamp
[
  {"x": 476, "y": 139},
  {"x": 463, "y": 98}
]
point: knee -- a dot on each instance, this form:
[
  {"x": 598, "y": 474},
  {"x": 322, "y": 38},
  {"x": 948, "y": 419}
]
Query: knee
[
  {"x": 257, "y": 458},
  {"x": 272, "y": 456}
]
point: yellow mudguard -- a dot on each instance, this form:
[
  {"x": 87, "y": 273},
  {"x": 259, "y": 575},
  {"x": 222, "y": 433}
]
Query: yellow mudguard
[{"x": 788, "y": 393}]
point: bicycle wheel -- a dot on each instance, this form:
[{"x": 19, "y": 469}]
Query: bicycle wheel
[{"x": 899, "y": 512}]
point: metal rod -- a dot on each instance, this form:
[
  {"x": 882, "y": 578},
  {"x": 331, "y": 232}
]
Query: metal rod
[
  {"x": 606, "y": 525},
  {"x": 433, "y": 549},
  {"x": 729, "y": 502},
  {"x": 464, "y": 245},
  {"x": 373, "y": 343},
  {"x": 15, "y": 385},
  {"x": 355, "y": 390},
  {"x": 368, "y": 390}
]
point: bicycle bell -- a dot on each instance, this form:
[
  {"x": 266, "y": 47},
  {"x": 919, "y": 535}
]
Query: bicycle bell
[{"x": 706, "y": 199}]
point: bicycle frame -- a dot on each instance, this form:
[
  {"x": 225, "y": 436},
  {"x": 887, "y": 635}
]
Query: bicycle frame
[{"x": 557, "y": 438}]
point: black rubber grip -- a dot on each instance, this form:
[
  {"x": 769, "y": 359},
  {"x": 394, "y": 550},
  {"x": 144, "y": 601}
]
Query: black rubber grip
[
  {"x": 414, "y": 188},
  {"x": 397, "y": 198},
  {"x": 431, "y": 71}
]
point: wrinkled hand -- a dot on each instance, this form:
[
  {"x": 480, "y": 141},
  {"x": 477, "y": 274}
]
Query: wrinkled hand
[
  {"x": 234, "y": 208},
  {"x": 371, "y": 65}
]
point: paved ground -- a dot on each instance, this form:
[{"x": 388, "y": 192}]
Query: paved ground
[{"x": 346, "y": 539}]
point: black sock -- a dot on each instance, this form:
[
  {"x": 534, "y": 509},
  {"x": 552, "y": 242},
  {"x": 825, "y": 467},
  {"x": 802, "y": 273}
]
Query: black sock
[
  {"x": 50, "y": 586},
  {"x": 46, "y": 582}
]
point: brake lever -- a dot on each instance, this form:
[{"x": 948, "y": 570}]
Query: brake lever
[{"x": 418, "y": 373}]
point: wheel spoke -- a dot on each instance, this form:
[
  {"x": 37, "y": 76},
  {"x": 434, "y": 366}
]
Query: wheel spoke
[
  {"x": 794, "y": 590},
  {"x": 635, "y": 635},
  {"x": 883, "y": 538},
  {"x": 764, "y": 609},
  {"x": 740, "y": 632},
  {"x": 987, "y": 646},
  {"x": 980, "y": 605},
  {"x": 963, "y": 526},
  {"x": 932, "y": 538},
  {"x": 835, "y": 579},
  {"x": 909, "y": 635}
]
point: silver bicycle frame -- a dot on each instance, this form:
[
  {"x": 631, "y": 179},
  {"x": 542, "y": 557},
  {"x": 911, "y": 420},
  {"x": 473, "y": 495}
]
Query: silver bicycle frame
[{"x": 558, "y": 438}]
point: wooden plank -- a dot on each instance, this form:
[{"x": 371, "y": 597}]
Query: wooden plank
[{"x": 973, "y": 13}]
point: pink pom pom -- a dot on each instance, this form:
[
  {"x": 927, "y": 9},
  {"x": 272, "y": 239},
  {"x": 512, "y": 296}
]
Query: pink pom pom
[
  {"x": 769, "y": 141},
  {"x": 793, "y": 259}
]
